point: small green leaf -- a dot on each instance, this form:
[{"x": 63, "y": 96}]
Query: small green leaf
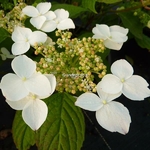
[
  {"x": 144, "y": 42},
  {"x": 64, "y": 127},
  {"x": 23, "y": 136},
  {"x": 3, "y": 34},
  {"x": 90, "y": 4},
  {"x": 74, "y": 11},
  {"x": 109, "y": 1},
  {"x": 133, "y": 23}
]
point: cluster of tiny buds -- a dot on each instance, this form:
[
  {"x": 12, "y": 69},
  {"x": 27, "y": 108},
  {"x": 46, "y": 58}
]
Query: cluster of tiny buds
[
  {"x": 74, "y": 62},
  {"x": 13, "y": 18}
]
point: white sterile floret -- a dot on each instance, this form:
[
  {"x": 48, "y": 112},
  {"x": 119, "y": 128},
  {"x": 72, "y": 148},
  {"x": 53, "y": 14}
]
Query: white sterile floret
[
  {"x": 5, "y": 54},
  {"x": 61, "y": 21},
  {"x": 24, "y": 37},
  {"x": 113, "y": 36},
  {"x": 111, "y": 115},
  {"x": 122, "y": 80},
  {"x": 26, "y": 80},
  {"x": 40, "y": 14},
  {"x": 34, "y": 110}
]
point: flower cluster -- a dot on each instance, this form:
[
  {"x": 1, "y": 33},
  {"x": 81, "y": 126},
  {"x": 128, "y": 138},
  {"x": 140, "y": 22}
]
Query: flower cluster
[
  {"x": 76, "y": 64},
  {"x": 13, "y": 18}
]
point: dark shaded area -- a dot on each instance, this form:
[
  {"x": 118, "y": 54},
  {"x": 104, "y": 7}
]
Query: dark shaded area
[{"x": 139, "y": 134}]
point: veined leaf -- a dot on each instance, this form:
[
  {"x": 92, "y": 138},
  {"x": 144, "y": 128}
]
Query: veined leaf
[
  {"x": 23, "y": 136},
  {"x": 64, "y": 127},
  {"x": 109, "y": 1},
  {"x": 74, "y": 11},
  {"x": 3, "y": 34},
  {"x": 90, "y": 4}
]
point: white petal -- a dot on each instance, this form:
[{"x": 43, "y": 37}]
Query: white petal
[
  {"x": 106, "y": 96},
  {"x": 18, "y": 105},
  {"x": 37, "y": 37},
  {"x": 52, "y": 80},
  {"x": 118, "y": 37},
  {"x": 135, "y": 88},
  {"x": 34, "y": 114},
  {"x": 38, "y": 84},
  {"x": 30, "y": 11},
  {"x": 66, "y": 24},
  {"x": 89, "y": 101},
  {"x": 101, "y": 31},
  {"x": 21, "y": 34},
  {"x": 61, "y": 14},
  {"x": 119, "y": 29},
  {"x": 112, "y": 45},
  {"x": 13, "y": 88},
  {"x": 50, "y": 15},
  {"x": 23, "y": 66},
  {"x": 111, "y": 84},
  {"x": 122, "y": 69},
  {"x": 43, "y": 7},
  {"x": 20, "y": 48},
  {"x": 49, "y": 26},
  {"x": 37, "y": 22},
  {"x": 114, "y": 117}
]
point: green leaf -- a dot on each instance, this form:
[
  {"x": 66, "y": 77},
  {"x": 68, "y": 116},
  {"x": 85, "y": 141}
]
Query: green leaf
[
  {"x": 74, "y": 11},
  {"x": 144, "y": 42},
  {"x": 90, "y": 4},
  {"x": 109, "y": 1},
  {"x": 23, "y": 136},
  {"x": 133, "y": 23},
  {"x": 3, "y": 34},
  {"x": 64, "y": 127}
]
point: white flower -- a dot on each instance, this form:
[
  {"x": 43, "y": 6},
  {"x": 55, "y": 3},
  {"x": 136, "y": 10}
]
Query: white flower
[
  {"x": 34, "y": 109},
  {"x": 41, "y": 16},
  {"x": 24, "y": 37},
  {"x": 26, "y": 80},
  {"x": 5, "y": 54},
  {"x": 111, "y": 115},
  {"x": 61, "y": 21},
  {"x": 122, "y": 80},
  {"x": 113, "y": 36}
]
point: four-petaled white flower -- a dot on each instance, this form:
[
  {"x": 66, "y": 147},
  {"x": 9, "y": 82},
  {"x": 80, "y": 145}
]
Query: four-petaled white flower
[
  {"x": 24, "y": 37},
  {"x": 40, "y": 16},
  {"x": 111, "y": 115},
  {"x": 34, "y": 110},
  {"x": 26, "y": 80},
  {"x": 5, "y": 54},
  {"x": 113, "y": 36},
  {"x": 122, "y": 80},
  {"x": 62, "y": 20},
  {"x": 46, "y": 20}
]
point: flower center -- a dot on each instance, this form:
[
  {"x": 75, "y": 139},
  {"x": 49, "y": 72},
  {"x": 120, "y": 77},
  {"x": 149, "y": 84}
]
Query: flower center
[
  {"x": 33, "y": 96},
  {"x": 104, "y": 102},
  {"x": 122, "y": 80},
  {"x": 24, "y": 79}
]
